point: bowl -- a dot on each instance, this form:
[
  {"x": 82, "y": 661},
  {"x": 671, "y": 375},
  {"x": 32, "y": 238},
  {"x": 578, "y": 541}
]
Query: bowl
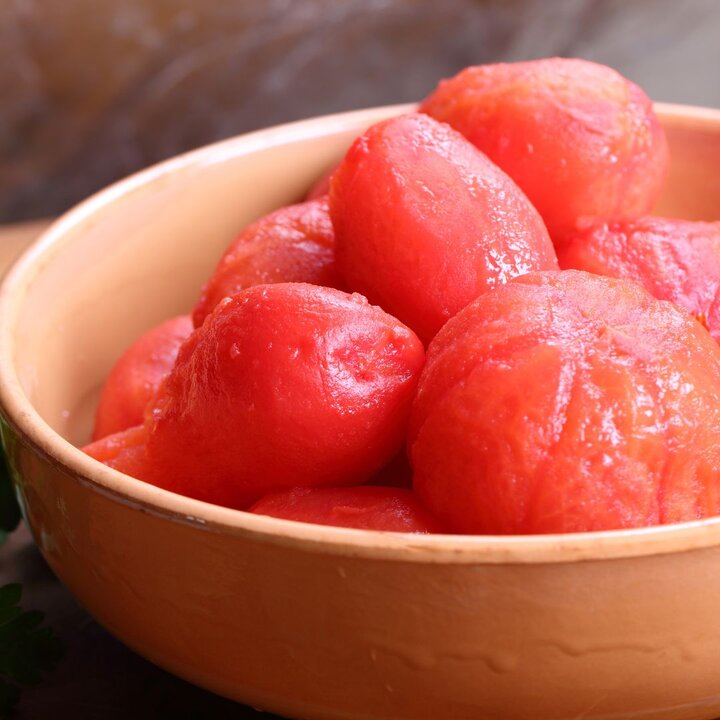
[{"x": 310, "y": 621}]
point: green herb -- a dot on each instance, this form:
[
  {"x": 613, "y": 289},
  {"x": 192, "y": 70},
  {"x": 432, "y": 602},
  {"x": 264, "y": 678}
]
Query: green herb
[
  {"x": 27, "y": 650},
  {"x": 9, "y": 509}
]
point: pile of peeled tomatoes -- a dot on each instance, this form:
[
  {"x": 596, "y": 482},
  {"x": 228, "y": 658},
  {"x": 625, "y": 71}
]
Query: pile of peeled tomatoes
[{"x": 472, "y": 325}]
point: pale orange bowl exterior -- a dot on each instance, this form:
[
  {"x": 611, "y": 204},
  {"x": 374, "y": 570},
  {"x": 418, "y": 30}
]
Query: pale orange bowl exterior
[{"x": 309, "y": 621}]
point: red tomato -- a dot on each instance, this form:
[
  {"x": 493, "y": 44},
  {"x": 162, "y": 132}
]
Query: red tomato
[
  {"x": 365, "y": 507},
  {"x": 577, "y": 137},
  {"x": 676, "y": 260},
  {"x": 293, "y": 244},
  {"x": 284, "y": 385},
  {"x": 134, "y": 379},
  {"x": 425, "y": 223},
  {"x": 567, "y": 402},
  {"x": 125, "y": 451}
]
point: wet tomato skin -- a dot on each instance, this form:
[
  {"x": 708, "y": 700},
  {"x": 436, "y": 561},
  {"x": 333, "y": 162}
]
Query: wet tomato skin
[
  {"x": 568, "y": 402},
  {"x": 424, "y": 222},
  {"x": 284, "y": 385},
  {"x": 136, "y": 376},
  {"x": 364, "y": 507},
  {"x": 292, "y": 244},
  {"x": 578, "y": 138},
  {"x": 675, "y": 260},
  {"x": 125, "y": 451}
]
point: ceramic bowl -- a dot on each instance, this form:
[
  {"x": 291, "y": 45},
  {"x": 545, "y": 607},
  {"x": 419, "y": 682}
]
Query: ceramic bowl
[{"x": 310, "y": 621}]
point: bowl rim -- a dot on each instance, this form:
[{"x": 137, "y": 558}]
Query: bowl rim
[{"x": 20, "y": 414}]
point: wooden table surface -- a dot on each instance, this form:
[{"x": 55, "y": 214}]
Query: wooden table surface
[{"x": 98, "y": 677}]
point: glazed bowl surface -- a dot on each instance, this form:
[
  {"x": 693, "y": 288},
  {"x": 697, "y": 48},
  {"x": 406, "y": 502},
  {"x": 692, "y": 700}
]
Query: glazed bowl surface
[{"x": 310, "y": 621}]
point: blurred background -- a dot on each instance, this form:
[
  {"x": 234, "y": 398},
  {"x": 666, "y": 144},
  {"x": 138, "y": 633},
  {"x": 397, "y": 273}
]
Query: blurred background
[{"x": 93, "y": 90}]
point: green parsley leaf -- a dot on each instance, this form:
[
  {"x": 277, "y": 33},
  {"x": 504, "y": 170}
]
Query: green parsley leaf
[
  {"x": 9, "y": 508},
  {"x": 27, "y": 650}
]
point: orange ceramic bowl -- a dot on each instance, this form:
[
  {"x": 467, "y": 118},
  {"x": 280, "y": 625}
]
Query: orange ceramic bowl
[{"x": 310, "y": 621}]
